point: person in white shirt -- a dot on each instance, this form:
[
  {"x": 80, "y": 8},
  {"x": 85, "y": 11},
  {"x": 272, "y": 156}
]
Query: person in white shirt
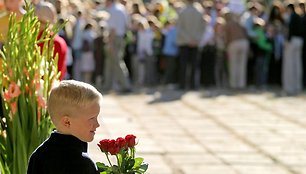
[
  {"x": 144, "y": 51},
  {"x": 87, "y": 58},
  {"x": 116, "y": 71},
  {"x": 190, "y": 27},
  {"x": 76, "y": 45}
]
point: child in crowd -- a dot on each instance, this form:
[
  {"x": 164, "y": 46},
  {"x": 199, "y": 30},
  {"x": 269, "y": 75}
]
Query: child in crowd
[
  {"x": 87, "y": 57},
  {"x": 144, "y": 51},
  {"x": 220, "y": 55},
  {"x": 264, "y": 48},
  {"x": 99, "y": 53},
  {"x": 74, "y": 108},
  {"x": 170, "y": 51}
]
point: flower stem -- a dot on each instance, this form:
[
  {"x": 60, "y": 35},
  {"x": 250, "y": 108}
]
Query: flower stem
[
  {"x": 133, "y": 152},
  {"x": 119, "y": 166},
  {"x": 108, "y": 159}
]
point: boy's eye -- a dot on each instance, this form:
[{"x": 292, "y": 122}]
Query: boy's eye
[{"x": 92, "y": 118}]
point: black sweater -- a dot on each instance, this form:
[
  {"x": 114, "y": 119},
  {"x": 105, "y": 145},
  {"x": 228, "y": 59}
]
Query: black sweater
[
  {"x": 61, "y": 154},
  {"x": 295, "y": 26}
]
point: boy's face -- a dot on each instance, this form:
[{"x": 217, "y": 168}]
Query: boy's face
[{"x": 84, "y": 124}]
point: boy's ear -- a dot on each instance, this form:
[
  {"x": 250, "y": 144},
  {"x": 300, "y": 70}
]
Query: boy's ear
[{"x": 65, "y": 121}]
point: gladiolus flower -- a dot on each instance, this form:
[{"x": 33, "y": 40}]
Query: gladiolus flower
[
  {"x": 5, "y": 80},
  {"x": 36, "y": 82},
  {"x": 10, "y": 72},
  {"x": 37, "y": 85},
  {"x": 1, "y": 66},
  {"x": 41, "y": 101},
  {"x": 14, "y": 90},
  {"x": 26, "y": 72},
  {"x": 14, "y": 107},
  {"x": 38, "y": 115},
  {"x": 7, "y": 96}
]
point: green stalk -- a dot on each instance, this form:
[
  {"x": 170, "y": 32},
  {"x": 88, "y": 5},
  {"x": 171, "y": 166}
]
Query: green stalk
[
  {"x": 118, "y": 162},
  {"x": 108, "y": 159}
]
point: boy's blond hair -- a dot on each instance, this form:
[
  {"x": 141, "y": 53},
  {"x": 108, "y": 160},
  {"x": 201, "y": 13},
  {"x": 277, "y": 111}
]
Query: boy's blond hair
[{"x": 70, "y": 97}]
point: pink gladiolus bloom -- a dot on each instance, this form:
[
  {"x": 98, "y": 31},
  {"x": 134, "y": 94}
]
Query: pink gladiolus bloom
[
  {"x": 38, "y": 116},
  {"x": 10, "y": 72},
  {"x": 25, "y": 71},
  {"x": 7, "y": 96},
  {"x": 37, "y": 85},
  {"x": 41, "y": 101},
  {"x": 14, "y": 107},
  {"x": 14, "y": 90}
]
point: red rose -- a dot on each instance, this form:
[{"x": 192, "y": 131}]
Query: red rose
[
  {"x": 104, "y": 145},
  {"x": 130, "y": 140},
  {"x": 113, "y": 147},
  {"x": 121, "y": 143}
]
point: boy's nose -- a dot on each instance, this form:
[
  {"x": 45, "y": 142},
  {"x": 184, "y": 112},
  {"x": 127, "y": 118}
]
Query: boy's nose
[{"x": 97, "y": 124}]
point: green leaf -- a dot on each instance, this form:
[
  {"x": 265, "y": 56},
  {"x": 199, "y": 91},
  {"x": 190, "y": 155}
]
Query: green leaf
[
  {"x": 130, "y": 164},
  {"x": 138, "y": 162},
  {"x": 115, "y": 169},
  {"x": 102, "y": 167},
  {"x": 143, "y": 168}
]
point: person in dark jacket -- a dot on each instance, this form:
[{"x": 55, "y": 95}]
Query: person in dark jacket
[
  {"x": 292, "y": 63},
  {"x": 74, "y": 108}
]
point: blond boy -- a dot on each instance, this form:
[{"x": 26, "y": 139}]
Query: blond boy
[{"x": 74, "y": 108}]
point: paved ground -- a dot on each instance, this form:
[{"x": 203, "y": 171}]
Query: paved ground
[{"x": 206, "y": 132}]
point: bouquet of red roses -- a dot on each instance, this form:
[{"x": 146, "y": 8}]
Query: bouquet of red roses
[{"x": 124, "y": 150}]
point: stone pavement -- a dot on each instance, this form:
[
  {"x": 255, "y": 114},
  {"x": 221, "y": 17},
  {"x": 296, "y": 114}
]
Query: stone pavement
[{"x": 205, "y": 132}]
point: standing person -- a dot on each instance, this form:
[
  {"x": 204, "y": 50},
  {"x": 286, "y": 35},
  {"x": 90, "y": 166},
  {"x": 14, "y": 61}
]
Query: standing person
[
  {"x": 262, "y": 56},
  {"x": 275, "y": 32},
  {"x": 292, "y": 64},
  {"x": 99, "y": 53},
  {"x": 190, "y": 26},
  {"x": 74, "y": 108},
  {"x": 237, "y": 46},
  {"x": 116, "y": 71},
  {"x": 87, "y": 57},
  {"x": 64, "y": 33},
  {"x": 76, "y": 45},
  {"x": 170, "y": 51},
  {"x": 220, "y": 56},
  {"x": 11, "y": 6},
  {"x": 303, "y": 15},
  {"x": 154, "y": 62},
  {"x": 144, "y": 52},
  {"x": 247, "y": 20},
  {"x": 46, "y": 13},
  {"x": 207, "y": 48}
]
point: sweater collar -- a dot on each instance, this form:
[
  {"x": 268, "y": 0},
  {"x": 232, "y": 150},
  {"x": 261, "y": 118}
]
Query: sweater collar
[{"x": 69, "y": 141}]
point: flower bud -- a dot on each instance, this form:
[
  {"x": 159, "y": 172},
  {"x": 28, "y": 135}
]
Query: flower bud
[
  {"x": 130, "y": 139},
  {"x": 104, "y": 145},
  {"x": 121, "y": 143}
]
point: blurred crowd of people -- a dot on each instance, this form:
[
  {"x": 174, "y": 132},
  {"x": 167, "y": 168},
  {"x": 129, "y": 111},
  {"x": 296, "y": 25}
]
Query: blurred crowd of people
[{"x": 187, "y": 44}]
